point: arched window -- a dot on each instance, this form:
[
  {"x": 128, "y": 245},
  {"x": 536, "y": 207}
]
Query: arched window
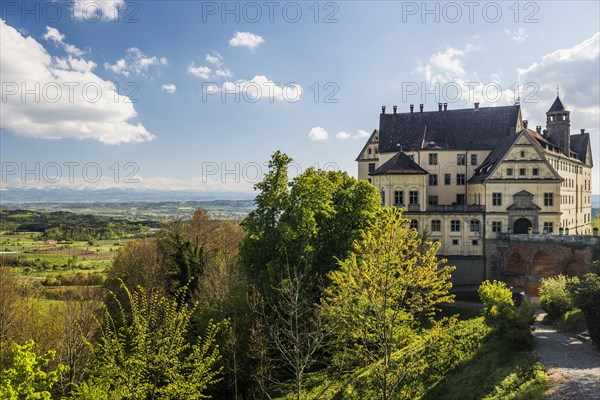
[{"x": 382, "y": 197}]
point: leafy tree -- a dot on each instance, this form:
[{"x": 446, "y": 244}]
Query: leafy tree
[
  {"x": 380, "y": 294},
  {"x": 555, "y": 299},
  {"x": 26, "y": 380},
  {"x": 149, "y": 357},
  {"x": 512, "y": 324},
  {"x": 586, "y": 295},
  {"x": 309, "y": 221}
]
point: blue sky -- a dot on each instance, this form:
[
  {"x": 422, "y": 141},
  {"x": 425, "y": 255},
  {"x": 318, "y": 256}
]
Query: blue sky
[{"x": 182, "y": 132}]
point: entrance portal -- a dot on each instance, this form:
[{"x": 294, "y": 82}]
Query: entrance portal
[{"x": 521, "y": 226}]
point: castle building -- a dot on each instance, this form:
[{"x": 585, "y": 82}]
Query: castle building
[{"x": 470, "y": 175}]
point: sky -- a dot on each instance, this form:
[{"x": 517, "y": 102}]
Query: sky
[{"x": 196, "y": 95}]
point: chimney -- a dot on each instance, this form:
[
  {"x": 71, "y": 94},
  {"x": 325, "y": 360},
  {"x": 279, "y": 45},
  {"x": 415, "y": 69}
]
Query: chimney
[
  {"x": 582, "y": 130},
  {"x": 445, "y": 106},
  {"x": 525, "y": 123},
  {"x": 538, "y": 129},
  {"x": 439, "y": 106},
  {"x": 395, "y": 109},
  {"x": 421, "y": 107},
  {"x": 412, "y": 107},
  {"x": 477, "y": 106},
  {"x": 383, "y": 109}
]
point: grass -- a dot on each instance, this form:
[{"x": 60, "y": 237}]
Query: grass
[{"x": 495, "y": 372}]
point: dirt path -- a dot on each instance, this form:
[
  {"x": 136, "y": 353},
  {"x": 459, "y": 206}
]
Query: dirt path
[{"x": 573, "y": 366}]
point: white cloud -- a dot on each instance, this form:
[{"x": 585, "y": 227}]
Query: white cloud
[
  {"x": 135, "y": 62},
  {"x": 200, "y": 72},
  {"x": 246, "y": 39},
  {"x": 317, "y": 133},
  {"x": 361, "y": 134},
  {"x": 565, "y": 67},
  {"x": 258, "y": 88},
  {"x": 54, "y": 36},
  {"x": 214, "y": 58},
  {"x": 74, "y": 103},
  {"x": 342, "y": 135},
  {"x": 224, "y": 73},
  {"x": 98, "y": 10},
  {"x": 168, "y": 88},
  {"x": 518, "y": 36}
]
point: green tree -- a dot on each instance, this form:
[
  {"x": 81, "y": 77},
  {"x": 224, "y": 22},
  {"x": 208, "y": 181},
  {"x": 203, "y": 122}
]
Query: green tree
[
  {"x": 26, "y": 380},
  {"x": 309, "y": 221},
  {"x": 149, "y": 357},
  {"x": 586, "y": 295},
  {"x": 380, "y": 295},
  {"x": 509, "y": 323}
]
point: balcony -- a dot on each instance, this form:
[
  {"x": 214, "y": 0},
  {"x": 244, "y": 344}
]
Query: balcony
[{"x": 455, "y": 208}]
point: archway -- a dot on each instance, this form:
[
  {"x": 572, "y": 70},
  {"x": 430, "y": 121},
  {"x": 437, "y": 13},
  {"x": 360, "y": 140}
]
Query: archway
[{"x": 521, "y": 226}]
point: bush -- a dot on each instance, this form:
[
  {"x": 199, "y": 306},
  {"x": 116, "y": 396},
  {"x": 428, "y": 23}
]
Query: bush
[
  {"x": 572, "y": 321},
  {"x": 509, "y": 323},
  {"x": 555, "y": 299},
  {"x": 586, "y": 295}
]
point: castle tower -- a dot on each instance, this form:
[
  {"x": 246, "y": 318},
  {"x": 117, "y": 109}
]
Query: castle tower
[{"x": 558, "y": 126}]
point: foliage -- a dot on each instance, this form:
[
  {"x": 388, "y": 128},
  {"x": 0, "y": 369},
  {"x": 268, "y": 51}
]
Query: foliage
[
  {"x": 308, "y": 222},
  {"x": 555, "y": 299},
  {"x": 586, "y": 295},
  {"x": 148, "y": 356},
  {"x": 379, "y": 296},
  {"x": 26, "y": 380},
  {"x": 572, "y": 321},
  {"x": 494, "y": 372},
  {"x": 511, "y": 324}
]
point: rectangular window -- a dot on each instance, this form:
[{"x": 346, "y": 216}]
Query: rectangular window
[
  {"x": 433, "y": 180},
  {"x": 509, "y": 171},
  {"x": 522, "y": 153},
  {"x": 548, "y": 199},
  {"x": 496, "y": 199},
  {"x": 496, "y": 226},
  {"x": 460, "y": 179},
  {"x": 460, "y": 199},
  {"x": 447, "y": 179},
  {"x": 460, "y": 159},
  {"x": 398, "y": 197},
  {"x": 383, "y": 198},
  {"x": 454, "y": 242},
  {"x": 432, "y": 200},
  {"x": 474, "y": 159},
  {"x": 413, "y": 197},
  {"x": 455, "y": 225},
  {"x": 433, "y": 158},
  {"x": 535, "y": 172},
  {"x": 548, "y": 227},
  {"x": 521, "y": 171},
  {"x": 371, "y": 167},
  {"x": 414, "y": 224},
  {"x": 436, "y": 225},
  {"x": 475, "y": 242},
  {"x": 475, "y": 225}
]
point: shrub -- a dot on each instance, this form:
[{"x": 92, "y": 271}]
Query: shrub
[
  {"x": 586, "y": 295},
  {"x": 572, "y": 321},
  {"x": 509, "y": 323},
  {"x": 555, "y": 299}
]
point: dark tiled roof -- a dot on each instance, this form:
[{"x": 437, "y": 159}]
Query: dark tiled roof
[
  {"x": 399, "y": 164},
  {"x": 580, "y": 144},
  {"x": 557, "y": 106},
  {"x": 453, "y": 129}
]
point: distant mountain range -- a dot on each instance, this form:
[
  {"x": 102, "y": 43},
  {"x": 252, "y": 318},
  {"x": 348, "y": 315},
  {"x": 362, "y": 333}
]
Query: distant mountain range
[
  {"x": 20, "y": 195},
  {"x": 58, "y": 195}
]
